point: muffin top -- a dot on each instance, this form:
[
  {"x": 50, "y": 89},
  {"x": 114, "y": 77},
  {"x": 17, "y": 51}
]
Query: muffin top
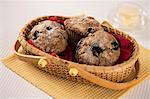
[
  {"x": 49, "y": 36},
  {"x": 82, "y": 25},
  {"x": 99, "y": 48}
]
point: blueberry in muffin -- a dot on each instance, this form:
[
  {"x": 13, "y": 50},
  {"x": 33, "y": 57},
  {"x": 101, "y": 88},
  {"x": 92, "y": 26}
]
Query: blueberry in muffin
[
  {"x": 99, "y": 48},
  {"x": 49, "y": 36},
  {"x": 81, "y": 26}
]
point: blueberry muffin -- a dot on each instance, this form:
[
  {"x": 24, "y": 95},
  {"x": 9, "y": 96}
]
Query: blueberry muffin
[
  {"x": 49, "y": 36},
  {"x": 99, "y": 48},
  {"x": 81, "y": 26}
]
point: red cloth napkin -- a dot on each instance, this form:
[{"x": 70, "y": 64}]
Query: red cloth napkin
[
  {"x": 54, "y": 18},
  {"x": 126, "y": 48}
]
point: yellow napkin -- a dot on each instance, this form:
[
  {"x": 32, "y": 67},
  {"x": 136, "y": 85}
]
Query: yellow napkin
[{"x": 61, "y": 88}]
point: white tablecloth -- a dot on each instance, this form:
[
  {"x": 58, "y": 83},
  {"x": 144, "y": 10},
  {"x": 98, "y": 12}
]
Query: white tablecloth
[{"x": 15, "y": 14}]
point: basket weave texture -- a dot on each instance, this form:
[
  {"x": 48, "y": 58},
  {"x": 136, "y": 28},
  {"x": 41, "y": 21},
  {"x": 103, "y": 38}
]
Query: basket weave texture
[{"x": 60, "y": 67}]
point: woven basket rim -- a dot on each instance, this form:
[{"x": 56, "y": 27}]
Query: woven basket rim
[
  {"x": 133, "y": 58},
  {"x": 122, "y": 85}
]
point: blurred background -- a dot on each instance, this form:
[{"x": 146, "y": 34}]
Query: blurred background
[{"x": 14, "y": 14}]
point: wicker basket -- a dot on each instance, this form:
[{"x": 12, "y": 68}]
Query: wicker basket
[{"x": 104, "y": 76}]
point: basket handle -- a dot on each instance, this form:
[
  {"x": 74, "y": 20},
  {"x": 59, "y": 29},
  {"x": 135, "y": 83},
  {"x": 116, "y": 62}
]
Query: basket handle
[
  {"x": 74, "y": 70},
  {"x": 102, "y": 82}
]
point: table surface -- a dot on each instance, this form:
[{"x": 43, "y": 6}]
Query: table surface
[{"x": 14, "y": 14}]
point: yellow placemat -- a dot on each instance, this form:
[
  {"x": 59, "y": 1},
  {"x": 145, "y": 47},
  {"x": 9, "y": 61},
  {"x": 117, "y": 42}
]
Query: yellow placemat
[{"x": 58, "y": 87}]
